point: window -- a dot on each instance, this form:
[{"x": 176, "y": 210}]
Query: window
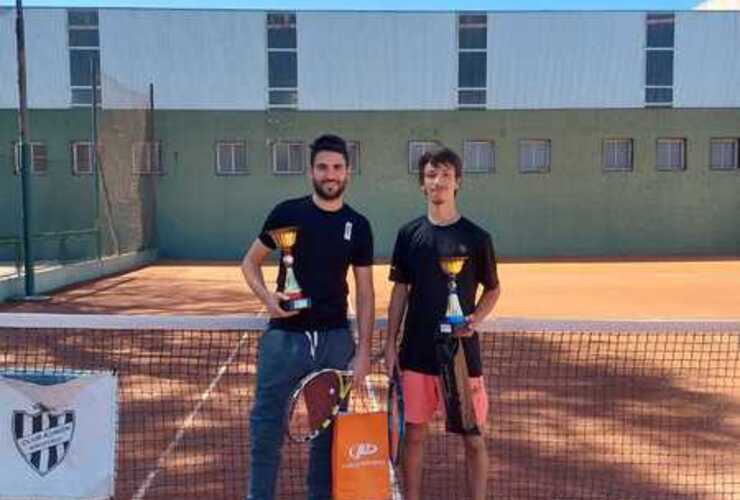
[
  {"x": 724, "y": 153},
  {"x": 82, "y": 161},
  {"x": 534, "y": 156},
  {"x": 289, "y": 157},
  {"x": 38, "y": 158},
  {"x": 660, "y": 30},
  {"x": 671, "y": 154},
  {"x": 617, "y": 155},
  {"x": 231, "y": 158},
  {"x": 478, "y": 156},
  {"x": 147, "y": 158},
  {"x": 659, "y": 68},
  {"x": 84, "y": 56},
  {"x": 659, "y": 51},
  {"x": 472, "y": 42},
  {"x": 282, "y": 60},
  {"x": 353, "y": 149},
  {"x": 417, "y": 150}
]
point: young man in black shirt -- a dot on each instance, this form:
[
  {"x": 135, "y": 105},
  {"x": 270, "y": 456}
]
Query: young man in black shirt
[
  {"x": 331, "y": 237},
  {"x": 420, "y": 290}
]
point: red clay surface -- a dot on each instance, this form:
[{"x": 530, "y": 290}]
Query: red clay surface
[
  {"x": 696, "y": 289},
  {"x": 582, "y": 415}
]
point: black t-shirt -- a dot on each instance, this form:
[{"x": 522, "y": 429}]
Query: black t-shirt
[
  {"x": 327, "y": 243},
  {"x": 419, "y": 246}
]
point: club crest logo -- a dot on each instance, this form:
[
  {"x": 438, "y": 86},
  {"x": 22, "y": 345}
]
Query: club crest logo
[{"x": 43, "y": 438}]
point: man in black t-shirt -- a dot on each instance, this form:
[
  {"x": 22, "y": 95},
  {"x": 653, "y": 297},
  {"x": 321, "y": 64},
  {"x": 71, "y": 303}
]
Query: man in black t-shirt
[
  {"x": 331, "y": 238},
  {"x": 420, "y": 290}
]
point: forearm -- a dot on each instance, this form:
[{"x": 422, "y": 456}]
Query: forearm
[
  {"x": 365, "y": 306},
  {"x": 255, "y": 279},
  {"x": 396, "y": 310},
  {"x": 486, "y": 304}
]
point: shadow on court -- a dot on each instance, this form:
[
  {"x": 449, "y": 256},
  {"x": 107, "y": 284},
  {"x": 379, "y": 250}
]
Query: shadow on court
[{"x": 607, "y": 416}]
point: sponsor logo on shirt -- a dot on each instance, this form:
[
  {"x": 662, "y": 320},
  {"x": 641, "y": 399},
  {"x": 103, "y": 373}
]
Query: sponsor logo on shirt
[{"x": 348, "y": 231}]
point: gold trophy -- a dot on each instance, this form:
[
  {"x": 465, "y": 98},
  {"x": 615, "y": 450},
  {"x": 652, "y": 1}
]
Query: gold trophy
[
  {"x": 285, "y": 238},
  {"x": 458, "y": 399},
  {"x": 454, "y": 321}
]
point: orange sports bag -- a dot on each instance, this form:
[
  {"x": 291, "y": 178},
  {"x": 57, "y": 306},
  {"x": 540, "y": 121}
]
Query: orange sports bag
[{"x": 360, "y": 469}]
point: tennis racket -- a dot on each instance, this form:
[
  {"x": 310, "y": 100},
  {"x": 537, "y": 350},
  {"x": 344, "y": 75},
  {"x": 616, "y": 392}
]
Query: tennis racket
[
  {"x": 396, "y": 417},
  {"x": 458, "y": 400},
  {"x": 315, "y": 403}
]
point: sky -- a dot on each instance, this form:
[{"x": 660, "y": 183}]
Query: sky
[{"x": 489, "y": 5}]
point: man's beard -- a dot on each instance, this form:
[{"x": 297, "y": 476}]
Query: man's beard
[{"x": 329, "y": 196}]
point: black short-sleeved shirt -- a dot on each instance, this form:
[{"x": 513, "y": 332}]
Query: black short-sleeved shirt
[
  {"x": 419, "y": 246},
  {"x": 327, "y": 243}
]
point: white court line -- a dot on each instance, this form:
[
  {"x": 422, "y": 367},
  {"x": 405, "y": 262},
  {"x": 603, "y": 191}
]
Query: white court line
[{"x": 142, "y": 490}]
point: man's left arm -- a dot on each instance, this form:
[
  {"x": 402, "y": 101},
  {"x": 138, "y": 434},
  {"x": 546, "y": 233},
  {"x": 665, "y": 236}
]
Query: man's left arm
[
  {"x": 484, "y": 307},
  {"x": 487, "y": 275},
  {"x": 365, "y": 307}
]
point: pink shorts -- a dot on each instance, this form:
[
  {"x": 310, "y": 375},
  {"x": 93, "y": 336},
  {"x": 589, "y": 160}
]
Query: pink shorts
[{"x": 422, "y": 397}]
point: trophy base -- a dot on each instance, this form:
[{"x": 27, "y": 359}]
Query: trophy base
[{"x": 296, "y": 304}]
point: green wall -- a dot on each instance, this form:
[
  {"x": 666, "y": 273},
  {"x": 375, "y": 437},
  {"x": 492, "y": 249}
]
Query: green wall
[
  {"x": 60, "y": 200},
  {"x": 574, "y": 210}
]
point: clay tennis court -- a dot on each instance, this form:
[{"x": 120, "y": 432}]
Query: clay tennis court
[
  {"x": 602, "y": 412},
  {"x": 652, "y": 289}
]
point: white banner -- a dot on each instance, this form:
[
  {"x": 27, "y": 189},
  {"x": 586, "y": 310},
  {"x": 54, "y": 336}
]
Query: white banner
[{"x": 57, "y": 440}]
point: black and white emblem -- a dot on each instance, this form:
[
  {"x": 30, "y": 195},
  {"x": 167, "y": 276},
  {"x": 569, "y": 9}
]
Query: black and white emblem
[{"x": 43, "y": 438}]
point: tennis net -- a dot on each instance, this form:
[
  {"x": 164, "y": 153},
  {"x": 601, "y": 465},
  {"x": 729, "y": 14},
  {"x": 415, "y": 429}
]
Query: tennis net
[{"x": 578, "y": 410}]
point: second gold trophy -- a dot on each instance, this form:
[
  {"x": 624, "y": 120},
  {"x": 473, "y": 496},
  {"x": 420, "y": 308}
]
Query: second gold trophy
[{"x": 285, "y": 239}]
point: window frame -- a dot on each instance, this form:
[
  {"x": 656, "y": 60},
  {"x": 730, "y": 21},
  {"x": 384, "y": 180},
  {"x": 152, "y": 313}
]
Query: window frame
[
  {"x": 232, "y": 145},
  {"x": 487, "y": 170},
  {"x": 294, "y": 50},
  {"x": 604, "y": 158},
  {"x": 735, "y": 141},
  {"x": 75, "y": 159},
  {"x": 288, "y": 143},
  {"x": 42, "y": 157},
  {"x": 460, "y": 90},
  {"x": 659, "y": 18},
  {"x": 355, "y": 166},
  {"x": 671, "y": 140},
  {"x": 430, "y": 144},
  {"x": 159, "y": 156},
  {"x": 75, "y": 90},
  {"x": 545, "y": 169}
]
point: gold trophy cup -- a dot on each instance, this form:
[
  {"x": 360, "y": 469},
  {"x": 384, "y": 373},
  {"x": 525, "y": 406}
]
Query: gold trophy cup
[
  {"x": 454, "y": 321},
  {"x": 459, "y": 410},
  {"x": 285, "y": 238}
]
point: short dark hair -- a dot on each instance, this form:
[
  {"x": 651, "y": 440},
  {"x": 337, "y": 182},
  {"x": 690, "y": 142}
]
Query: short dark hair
[
  {"x": 440, "y": 156},
  {"x": 329, "y": 142}
]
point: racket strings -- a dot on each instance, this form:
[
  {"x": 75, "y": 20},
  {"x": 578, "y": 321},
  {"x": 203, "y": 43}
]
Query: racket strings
[
  {"x": 313, "y": 406},
  {"x": 321, "y": 396}
]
